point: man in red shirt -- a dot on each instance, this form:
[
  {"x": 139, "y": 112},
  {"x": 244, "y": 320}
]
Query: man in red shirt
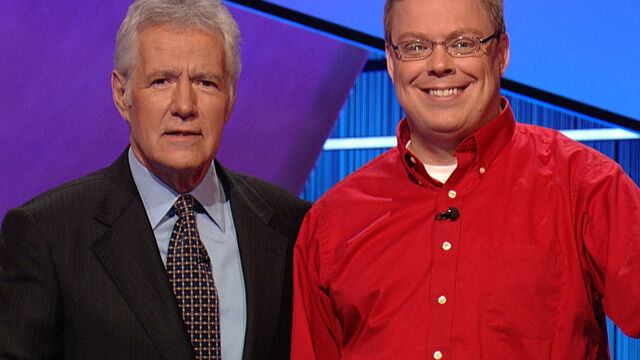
[{"x": 476, "y": 237}]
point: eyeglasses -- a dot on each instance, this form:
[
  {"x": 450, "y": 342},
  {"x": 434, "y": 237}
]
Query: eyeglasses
[{"x": 458, "y": 46}]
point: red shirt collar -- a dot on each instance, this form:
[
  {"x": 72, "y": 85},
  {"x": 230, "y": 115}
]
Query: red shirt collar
[{"x": 486, "y": 143}]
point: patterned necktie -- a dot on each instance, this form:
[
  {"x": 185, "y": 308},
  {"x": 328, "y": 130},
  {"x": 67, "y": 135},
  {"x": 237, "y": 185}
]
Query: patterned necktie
[{"x": 190, "y": 273}]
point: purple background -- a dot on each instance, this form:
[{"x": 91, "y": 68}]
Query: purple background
[{"x": 59, "y": 121}]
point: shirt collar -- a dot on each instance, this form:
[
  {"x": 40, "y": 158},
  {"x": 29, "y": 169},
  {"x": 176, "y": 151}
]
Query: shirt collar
[
  {"x": 487, "y": 142},
  {"x": 158, "y": 197}
]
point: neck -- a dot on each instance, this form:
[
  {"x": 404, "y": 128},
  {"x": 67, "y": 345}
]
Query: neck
[
  {"x": 433, "y": 153},
  {"x": 183, "y": 181},
  {"x": 180, "y": 180}
]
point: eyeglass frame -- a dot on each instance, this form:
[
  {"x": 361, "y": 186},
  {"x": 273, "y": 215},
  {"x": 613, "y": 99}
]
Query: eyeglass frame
[{"x": 433, "y": 44}]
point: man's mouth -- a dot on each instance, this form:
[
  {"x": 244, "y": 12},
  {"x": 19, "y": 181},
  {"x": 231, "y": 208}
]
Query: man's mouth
[
  {"x": 181, "y": 133},
  {"x": 444, "y": 92}
]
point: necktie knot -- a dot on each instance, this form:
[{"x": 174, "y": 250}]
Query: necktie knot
[{"x": 185, "y": 205}]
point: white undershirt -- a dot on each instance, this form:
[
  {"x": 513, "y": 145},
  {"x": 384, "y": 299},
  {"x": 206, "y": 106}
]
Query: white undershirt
[{"x": 438, "y": 172}]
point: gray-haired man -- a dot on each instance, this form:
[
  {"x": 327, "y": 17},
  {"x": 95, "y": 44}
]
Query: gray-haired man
[{"x": 165, "y": 254}]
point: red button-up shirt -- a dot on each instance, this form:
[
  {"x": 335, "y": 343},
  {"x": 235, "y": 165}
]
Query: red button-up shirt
[{"x": 546, "y": 243}]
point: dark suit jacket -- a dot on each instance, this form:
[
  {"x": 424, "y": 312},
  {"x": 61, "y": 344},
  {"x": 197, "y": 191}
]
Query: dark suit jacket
[{"x": 81, "y": 276}]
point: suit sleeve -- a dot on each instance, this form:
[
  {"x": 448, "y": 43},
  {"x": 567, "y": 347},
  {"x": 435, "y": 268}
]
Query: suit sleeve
[
  {"x": 609, "y": 220},
  {"x": 316, "y": 332},
  {"x": 29, "y": 304}
]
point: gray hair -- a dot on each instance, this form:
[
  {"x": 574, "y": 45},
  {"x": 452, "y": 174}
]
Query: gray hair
[
  {"x": 494, "y": 7},
  {"x": 207, "y": 15}
]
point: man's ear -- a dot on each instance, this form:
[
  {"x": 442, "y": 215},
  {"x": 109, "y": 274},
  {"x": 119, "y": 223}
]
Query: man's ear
[
  {"x": 503, "y": 53},
  {"x": 119, "y": 91}
]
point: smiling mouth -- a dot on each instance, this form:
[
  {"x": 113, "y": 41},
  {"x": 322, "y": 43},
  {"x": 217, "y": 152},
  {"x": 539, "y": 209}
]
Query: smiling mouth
[
  {"x": 181, "y": 133},
  {"x": 444, "y": 92}
]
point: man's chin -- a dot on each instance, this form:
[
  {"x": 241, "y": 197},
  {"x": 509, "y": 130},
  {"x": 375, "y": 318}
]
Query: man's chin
[
  {"x": 187, "y": 165},
  {"x": 180, "y": 172},
  {"x": 439, "y": 121}
]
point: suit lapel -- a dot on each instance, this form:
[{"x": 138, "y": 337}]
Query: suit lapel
[
  {"x": 129, "y": 253},
  {"x": 263, "y": 254}
]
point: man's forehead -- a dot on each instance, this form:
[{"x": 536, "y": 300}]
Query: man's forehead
[
  {"x": 441, "y": 17},
  {"x": 192, "y": 42},
  {"x": 166, "y": 50},
  {"x": 156, "y": 34},
  {"x": 178, "y": 28}
]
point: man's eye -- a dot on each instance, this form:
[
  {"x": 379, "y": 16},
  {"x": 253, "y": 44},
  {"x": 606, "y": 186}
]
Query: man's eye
[
  {"x": 463, "y": 44},
  {"x": 415, "y": 47},
  {"x": 207, "y": 84},
  {"x": 158, "y": 82}
]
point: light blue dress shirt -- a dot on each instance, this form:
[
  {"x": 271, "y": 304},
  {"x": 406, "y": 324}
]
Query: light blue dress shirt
[{"x": 218, "y": 234}]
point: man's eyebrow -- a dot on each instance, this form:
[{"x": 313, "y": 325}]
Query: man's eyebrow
[
  {"x": 174, "y": 73},
  {"x": 423, "y": 36},
  {"x": 206, "y": 75},
  {"x": 465, "y": 31}
]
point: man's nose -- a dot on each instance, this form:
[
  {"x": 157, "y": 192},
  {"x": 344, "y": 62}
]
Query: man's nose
[
  {"x": 184, "y": 102},
  {"x": 440, "y": 62}
]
